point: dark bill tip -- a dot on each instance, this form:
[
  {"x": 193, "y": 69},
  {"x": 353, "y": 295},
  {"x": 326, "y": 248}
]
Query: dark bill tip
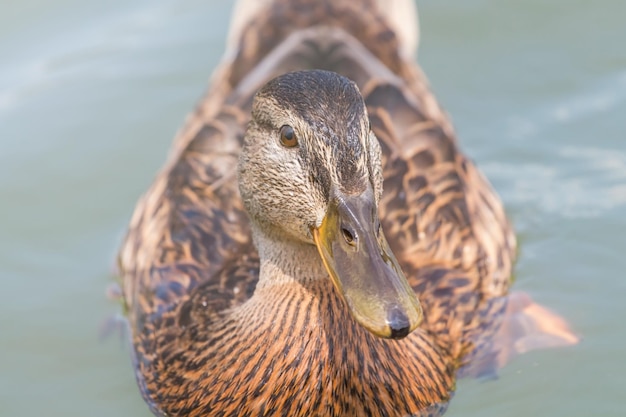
[{"x": 398, "y": 323}]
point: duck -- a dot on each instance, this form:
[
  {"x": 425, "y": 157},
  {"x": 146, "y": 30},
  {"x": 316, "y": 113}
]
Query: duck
[{"x": 316, "y": 243}]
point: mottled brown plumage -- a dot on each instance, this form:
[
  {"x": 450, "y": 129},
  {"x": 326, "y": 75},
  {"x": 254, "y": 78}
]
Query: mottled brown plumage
[{"x": 209, "y": 341}]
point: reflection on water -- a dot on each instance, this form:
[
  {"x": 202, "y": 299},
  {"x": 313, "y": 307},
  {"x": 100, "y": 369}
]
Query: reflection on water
[{"x": 92, "y": 94}]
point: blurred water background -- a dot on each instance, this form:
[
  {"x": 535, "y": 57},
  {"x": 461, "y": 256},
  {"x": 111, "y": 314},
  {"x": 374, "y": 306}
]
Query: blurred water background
[{"x": 92, "y": 93}]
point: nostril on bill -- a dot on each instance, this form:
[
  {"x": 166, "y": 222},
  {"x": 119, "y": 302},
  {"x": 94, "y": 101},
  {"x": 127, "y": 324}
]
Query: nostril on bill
[{"x": 348, "y": 236}]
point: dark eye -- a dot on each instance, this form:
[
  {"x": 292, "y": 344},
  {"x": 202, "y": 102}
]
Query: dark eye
[{"x": 288, "y": 137}]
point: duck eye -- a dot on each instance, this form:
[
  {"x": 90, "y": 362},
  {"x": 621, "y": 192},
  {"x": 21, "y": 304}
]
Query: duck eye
[{"x": 288, "y": 137}]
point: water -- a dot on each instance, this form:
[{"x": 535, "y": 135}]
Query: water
[{"x": 92, "y": 94}]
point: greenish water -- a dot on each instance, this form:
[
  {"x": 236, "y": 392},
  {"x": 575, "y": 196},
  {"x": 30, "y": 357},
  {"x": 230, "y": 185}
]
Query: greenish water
[{"x": 91, "y": 95}]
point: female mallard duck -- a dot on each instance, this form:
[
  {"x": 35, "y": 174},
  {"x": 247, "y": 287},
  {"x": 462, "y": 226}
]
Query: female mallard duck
[{"x": 256, "y": 276}]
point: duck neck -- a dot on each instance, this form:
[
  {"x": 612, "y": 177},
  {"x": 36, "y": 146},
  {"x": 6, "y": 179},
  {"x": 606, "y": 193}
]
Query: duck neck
[{"x": 285, "y": 260}]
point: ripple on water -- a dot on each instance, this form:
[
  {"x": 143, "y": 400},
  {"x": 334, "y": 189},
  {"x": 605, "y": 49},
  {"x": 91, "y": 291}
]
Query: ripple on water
[{"x": 576, "y": 182}]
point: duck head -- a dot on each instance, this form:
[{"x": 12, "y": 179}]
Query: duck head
[{"x": 310, "y": 167}]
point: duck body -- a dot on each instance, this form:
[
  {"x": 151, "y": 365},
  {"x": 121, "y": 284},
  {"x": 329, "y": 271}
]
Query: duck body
[{"x": 234, "y": 317}]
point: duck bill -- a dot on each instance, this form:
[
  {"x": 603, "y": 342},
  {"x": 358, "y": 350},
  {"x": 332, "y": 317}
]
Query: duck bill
[{"x": 363, "y": 268}]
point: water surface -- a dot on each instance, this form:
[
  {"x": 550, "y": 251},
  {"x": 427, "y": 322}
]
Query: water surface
[{"x": 91, "y": 96}]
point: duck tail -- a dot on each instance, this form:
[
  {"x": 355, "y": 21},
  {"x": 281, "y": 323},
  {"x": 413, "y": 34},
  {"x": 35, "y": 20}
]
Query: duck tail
[
  {"x": 401, "y": 16},
  {"x": 269, "y": 22}
]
